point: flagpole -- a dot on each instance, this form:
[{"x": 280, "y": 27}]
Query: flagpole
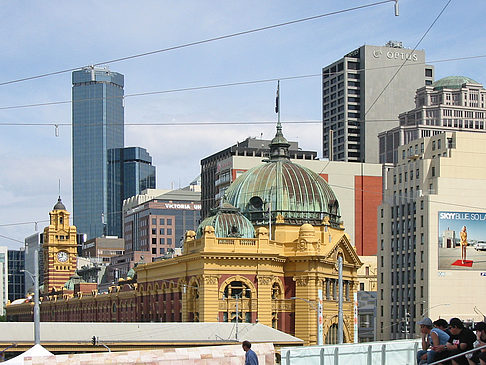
[
  {"x": 278, "y": 103},
  {"x": 279, "y": 130}
]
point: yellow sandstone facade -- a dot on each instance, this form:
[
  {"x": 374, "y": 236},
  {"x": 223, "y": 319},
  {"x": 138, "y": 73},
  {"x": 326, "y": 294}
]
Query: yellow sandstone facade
[
  {"x": 261, "y": 276},
  {"x": 263, "y": 256}
]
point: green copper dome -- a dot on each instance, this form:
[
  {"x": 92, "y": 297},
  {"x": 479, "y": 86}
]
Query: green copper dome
[
  {"x": 227, "y": 222},
  {"x": 130, "y": 273},
  {"x": 292, "y": 191},
  {"x": 453, "y": 82},
  {"x": 75, "y": 279}
]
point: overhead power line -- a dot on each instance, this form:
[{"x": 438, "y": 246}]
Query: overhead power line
[
  {"x": 228, "y": 84},
  {"x": 406, "y": 59},
  {"x": 23, "y": 223},
  {"x": 12, "y": 239},
  {"x": 208, "y": 40},
  {"x": 184, "y": 124}
]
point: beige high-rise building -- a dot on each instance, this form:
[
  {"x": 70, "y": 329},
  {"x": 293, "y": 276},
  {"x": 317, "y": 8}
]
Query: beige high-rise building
[
  {"x": 437, "y": 188},
  {"x": 453, "y": 103}
]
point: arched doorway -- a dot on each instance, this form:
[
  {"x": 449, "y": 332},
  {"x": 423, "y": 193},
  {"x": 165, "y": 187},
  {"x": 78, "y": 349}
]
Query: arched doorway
[{"x": 332, "y": 335}]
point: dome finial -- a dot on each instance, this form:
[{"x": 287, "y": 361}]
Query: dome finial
[
  {"x": 279, "y": 147},
  {"x": 59, "y": 205}
]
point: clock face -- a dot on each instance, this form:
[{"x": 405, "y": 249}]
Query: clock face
[{"x": 62, "y": 256}]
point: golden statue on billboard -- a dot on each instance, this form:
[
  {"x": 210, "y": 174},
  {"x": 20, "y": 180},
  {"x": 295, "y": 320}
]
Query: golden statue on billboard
[{"x": 463, "y": 243}]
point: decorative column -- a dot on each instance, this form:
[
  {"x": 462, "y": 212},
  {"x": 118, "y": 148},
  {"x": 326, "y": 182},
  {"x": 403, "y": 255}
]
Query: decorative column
[
  {"x": 208, "y": 298},
  {"x": 306, "y": 310},
  {"x": 264, "y": 297}
]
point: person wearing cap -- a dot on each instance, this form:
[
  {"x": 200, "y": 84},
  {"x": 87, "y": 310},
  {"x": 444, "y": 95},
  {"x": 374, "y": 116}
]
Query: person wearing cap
[
  {"x": 479, "y": 357},
  {"x": 461, "y": 340},
  {"x": 431, "y": 338}
]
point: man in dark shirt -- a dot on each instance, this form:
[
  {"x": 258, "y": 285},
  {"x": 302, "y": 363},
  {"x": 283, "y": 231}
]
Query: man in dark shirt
[
  {"x": 250, "y": 356},
  {"x": 461, "y": 340},
  {"x": 442, "y": 325}
]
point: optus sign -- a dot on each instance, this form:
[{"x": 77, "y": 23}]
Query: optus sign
[{"x": 395, "y": 55}]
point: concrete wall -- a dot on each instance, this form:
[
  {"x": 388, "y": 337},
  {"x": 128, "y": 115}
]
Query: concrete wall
[
  {"x": 381, "y": 64},
  {"x": 452, "y": 178}
]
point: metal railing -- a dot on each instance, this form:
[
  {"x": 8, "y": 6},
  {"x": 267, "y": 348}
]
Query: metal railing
[
  {"x": 458, "y": 355},
  {"x": 382, "y": 353},
  {"x": 390, "y": 352}
]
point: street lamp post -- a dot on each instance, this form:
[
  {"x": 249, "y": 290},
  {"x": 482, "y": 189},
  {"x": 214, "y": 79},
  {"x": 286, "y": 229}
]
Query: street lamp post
[
  {"x": 407, "y": 324},
  {"x": 237, "y": 296},
  {"x": 434, "y": 306},
  {"x": 318, "y": 309},
  {"x": 35, "y": 279}
]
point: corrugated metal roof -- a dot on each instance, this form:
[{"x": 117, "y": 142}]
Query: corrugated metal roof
[{"x": 143, "y": 332}]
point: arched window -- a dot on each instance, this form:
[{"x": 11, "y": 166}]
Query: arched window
[
  {"x": 237, "y": 298},
  {"x": 275, "y": 291},
  {"x": 276, "y": 295},
  {"x": 237, "y": 289},
  {"x": 195, "y": 290}
]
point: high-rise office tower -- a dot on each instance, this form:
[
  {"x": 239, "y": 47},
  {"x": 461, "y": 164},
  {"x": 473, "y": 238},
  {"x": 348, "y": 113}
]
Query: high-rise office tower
[
  {"x": 16, "y": 266},
  {"x": 434, "y": 201},
  {"x": 3, "y": 278},
  {"x": 453, "y": 103},
  {"x": 363, "y": 94},
  {"x": 130, "y": 171},
  {"x": 98, "y": 118}
]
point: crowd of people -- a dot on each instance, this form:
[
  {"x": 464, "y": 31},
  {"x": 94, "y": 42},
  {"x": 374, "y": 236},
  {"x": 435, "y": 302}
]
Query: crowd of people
[{"x": 441, "y": 340}]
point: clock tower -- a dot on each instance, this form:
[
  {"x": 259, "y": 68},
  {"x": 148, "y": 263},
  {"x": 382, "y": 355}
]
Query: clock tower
[{"x": 60, "y": 249}]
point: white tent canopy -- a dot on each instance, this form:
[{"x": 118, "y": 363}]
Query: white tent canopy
[{"x": 37, "y": 350}]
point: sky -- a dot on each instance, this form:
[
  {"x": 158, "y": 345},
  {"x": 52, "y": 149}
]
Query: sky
[{"x": 44, "y": 37}]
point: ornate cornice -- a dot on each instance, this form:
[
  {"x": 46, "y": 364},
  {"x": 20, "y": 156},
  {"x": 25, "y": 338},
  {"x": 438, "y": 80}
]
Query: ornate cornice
[
  {"x": 211, "y": 279},
  {"x": 265, "y": 279},
  {"x": 301, "y": 280}
]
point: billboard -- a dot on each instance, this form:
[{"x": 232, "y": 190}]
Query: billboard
[{"x": 462, "y": 241}]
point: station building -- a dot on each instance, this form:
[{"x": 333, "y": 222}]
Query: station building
[{"x": 266, "y": 254}]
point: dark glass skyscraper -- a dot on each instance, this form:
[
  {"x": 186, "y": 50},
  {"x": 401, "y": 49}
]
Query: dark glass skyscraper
[
  {"x": 130, "y": 171},
  {"x": 16, "y": 282},
  {"x": 98, "y": 121}
]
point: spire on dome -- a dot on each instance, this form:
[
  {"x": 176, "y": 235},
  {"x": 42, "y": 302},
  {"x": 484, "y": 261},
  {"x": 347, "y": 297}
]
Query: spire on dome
[
  {"x": 279, "y": 147},
  {"x": 59, "y": 205}
]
